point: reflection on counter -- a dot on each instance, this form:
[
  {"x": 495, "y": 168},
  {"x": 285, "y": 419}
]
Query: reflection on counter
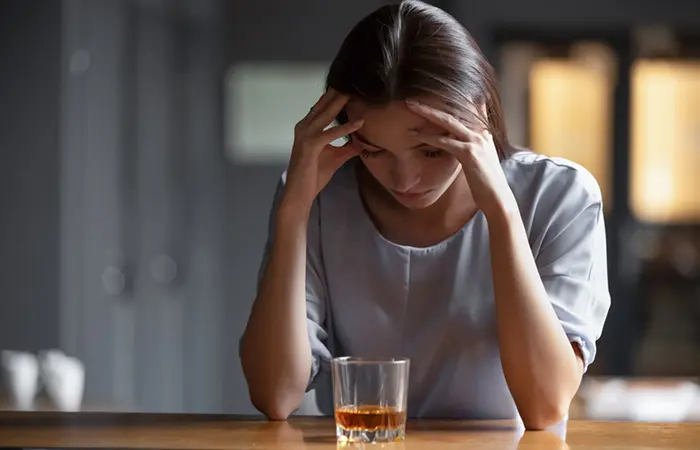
[
  {"x": 58, "y": 377},
  {"x": 638, "y": 400}
]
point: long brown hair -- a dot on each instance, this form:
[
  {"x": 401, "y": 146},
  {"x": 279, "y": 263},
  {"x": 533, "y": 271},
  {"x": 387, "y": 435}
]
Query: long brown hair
[{"x": 412, "y": 49}]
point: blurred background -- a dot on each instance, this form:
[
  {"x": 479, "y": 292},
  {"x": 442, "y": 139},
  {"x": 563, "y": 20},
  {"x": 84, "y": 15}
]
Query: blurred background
[{"x": 141, "y": 142}]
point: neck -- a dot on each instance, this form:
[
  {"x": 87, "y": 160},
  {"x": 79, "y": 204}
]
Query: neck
[
  {"x": 454, "y": 208},
  {"x": 449, "y": 213}
]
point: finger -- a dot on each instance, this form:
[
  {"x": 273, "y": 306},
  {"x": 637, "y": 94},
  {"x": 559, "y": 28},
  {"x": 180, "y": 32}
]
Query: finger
[
  {"x": 339, "y": 131},
  {"x": 325, "y": 116},
  {"x": 337, "y": 156},
  {"x": 321, "y": 103},
  {"x": 484, "y": 110},
  {"x": 444, "y": 120},
  {"x": 446, "y": 143}
]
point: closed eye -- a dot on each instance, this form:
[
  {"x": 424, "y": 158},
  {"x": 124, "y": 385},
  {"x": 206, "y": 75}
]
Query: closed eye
[
  {"x": 368, "y": 151},
  {"x": 433, "y": 153},
  {"x": 371, "y": 153}
]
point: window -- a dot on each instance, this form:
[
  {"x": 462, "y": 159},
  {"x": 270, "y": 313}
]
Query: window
[
  {"x": 558, "y": 101},
  {"x": 263, "y": 103},
  {"x": 571, "y": 115},
  {"x": 665, "y": 153}
]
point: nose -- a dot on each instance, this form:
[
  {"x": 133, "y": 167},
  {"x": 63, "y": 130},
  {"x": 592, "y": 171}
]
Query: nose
[{"x": 405, "y": 175}]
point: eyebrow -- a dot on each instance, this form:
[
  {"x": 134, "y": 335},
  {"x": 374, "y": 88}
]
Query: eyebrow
[{"x": 364, "y": 140}]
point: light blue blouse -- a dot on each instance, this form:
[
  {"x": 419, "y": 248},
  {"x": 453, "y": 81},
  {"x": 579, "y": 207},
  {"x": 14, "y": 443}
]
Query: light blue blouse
[{"x": 369, "y": 297}]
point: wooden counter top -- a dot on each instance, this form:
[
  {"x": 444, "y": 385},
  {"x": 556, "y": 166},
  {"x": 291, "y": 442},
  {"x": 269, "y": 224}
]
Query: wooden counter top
[{"x": 145, "y": 431}]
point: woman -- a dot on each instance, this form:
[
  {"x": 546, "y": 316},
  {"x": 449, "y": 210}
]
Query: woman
[{"x": 485, "y": 265}]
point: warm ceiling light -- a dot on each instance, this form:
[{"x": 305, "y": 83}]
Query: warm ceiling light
[
  {"x": 665, "y": 153},
  {"x": 571, "y": 115}
]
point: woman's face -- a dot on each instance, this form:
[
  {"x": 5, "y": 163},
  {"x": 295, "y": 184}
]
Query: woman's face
[{"x": 415, "y": 174}]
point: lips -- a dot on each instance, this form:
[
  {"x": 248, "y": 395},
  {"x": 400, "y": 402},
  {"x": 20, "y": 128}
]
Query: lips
[{"x": 409, "y": 195}]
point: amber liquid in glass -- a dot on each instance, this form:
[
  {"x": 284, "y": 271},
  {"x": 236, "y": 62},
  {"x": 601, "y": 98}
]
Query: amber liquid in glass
[
  {"x": 384, "y": 422},
  {"x": 369, "y": 417}
]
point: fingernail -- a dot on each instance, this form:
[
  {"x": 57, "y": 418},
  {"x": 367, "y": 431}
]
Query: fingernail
[
  {"x": 358, "y": 123},
  {"x": 412, "y": 102}
]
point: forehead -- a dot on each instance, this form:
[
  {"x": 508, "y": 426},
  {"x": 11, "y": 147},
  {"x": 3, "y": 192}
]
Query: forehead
[{"x": 387, "y": 126}]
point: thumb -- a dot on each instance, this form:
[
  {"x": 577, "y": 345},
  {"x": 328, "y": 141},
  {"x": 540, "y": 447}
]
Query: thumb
[{"x": 340, "y": 155}]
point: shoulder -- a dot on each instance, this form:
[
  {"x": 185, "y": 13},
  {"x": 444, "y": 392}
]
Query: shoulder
[{"x": 540, "y": 182}]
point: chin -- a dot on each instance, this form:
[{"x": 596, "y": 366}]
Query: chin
[{"x": 420, "y": 202}]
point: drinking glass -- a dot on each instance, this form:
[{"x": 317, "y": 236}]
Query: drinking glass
[{"x": 370, "y": 399}]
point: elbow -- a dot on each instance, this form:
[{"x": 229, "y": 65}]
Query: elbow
[
  {"x": 275, "y": 411},
  {"x": 544, "y": 415},
  {"x": 275, "y": 389},
  {"x": 276, "y": 407},
  {"x": 275, "y": 397}
]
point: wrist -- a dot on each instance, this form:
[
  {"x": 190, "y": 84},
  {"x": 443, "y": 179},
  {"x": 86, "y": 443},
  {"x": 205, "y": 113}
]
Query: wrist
[
  {"x": 503, "y": 213},
  {"x": 292, "y": 210},
  {"x": 291, "y": 226}
]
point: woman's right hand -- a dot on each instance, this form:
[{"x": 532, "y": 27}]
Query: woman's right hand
[{"x": 314, "y": 160}]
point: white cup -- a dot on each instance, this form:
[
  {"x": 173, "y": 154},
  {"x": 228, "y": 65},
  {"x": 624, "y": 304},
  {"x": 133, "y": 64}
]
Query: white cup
[
  {"x": 64, "y": 379},
  {"x": 21, "y": 376}
]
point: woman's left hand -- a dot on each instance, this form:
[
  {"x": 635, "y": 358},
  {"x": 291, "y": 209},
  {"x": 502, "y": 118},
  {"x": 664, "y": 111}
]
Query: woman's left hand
[{"x": 477, "y": 154}]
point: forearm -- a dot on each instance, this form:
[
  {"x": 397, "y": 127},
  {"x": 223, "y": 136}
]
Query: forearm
[
  {"x": 275, "y": 349},
  {"x": 542, "y": 370}
]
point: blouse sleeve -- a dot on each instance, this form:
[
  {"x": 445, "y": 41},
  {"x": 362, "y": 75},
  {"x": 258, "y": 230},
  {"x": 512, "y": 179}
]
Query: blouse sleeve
[
  {"x": 572, "y": 259},
  {"x": 315, "y": 287}
]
